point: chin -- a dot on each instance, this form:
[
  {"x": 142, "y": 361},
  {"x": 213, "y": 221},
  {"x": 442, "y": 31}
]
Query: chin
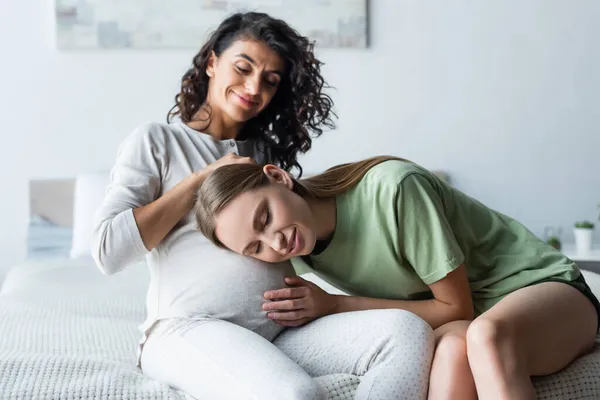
[
  {"x": 240, "y": 116},
  {"x": 239, "y": 113},
  {"x": 309, "y": 249},
  {"x": 235, "y": 113}
]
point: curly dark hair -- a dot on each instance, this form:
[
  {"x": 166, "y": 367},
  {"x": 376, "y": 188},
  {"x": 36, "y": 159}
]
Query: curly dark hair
[{"x": 298, "y": 107}]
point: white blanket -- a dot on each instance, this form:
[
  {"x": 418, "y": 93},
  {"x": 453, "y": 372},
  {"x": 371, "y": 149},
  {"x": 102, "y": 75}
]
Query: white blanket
[{"x": 68, "y": 332}]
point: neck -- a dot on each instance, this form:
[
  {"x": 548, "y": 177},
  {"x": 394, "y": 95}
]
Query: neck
[
  {"x": 215, "y": 123},
  {"x": 324, "y": 214}
]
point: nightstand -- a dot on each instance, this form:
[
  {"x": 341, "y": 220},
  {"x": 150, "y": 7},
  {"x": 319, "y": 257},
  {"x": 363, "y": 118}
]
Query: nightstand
[{"x": 570, "y": 251}]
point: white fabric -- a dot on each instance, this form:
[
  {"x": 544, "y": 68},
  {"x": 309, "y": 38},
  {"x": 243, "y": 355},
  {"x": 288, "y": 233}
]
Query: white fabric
[
  {"x": 189, "y": 276},
  {"x": 329, "y": 288},
  {"x": 593, "y": 281},
  {"x": 90, "y": 189},
  {"x": 69, "y": 333},
  {"x": 390, "y": 350}
]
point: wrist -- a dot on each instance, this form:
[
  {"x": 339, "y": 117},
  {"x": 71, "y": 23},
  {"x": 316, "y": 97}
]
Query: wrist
[
  {"x": 191, "y": 186},
  {"x": 197, "y": 178},
  {"x": 339, "y": 303}
]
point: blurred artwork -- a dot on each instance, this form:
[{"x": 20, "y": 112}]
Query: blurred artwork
[{"x": 155, "y": 24}]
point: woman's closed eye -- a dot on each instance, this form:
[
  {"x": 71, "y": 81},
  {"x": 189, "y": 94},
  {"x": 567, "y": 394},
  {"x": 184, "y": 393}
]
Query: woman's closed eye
[
  {"x": 267, "y": 218},
  {"x": 265, "y": 223},
  {"x": 273, "y": 82},
  {"x": 242, "y": 70}
]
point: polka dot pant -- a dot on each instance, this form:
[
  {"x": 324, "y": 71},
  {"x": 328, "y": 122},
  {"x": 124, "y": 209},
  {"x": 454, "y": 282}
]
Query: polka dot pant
[{"x": 389, "y": 351}]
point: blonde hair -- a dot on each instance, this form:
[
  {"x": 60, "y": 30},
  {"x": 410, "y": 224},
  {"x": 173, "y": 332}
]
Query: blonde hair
[{"x": 229, "y": 181}]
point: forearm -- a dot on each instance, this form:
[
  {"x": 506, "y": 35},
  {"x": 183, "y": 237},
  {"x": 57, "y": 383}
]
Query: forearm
[
  {"x": 157, "y": 219},
  {"x": 435, "y": 312}
]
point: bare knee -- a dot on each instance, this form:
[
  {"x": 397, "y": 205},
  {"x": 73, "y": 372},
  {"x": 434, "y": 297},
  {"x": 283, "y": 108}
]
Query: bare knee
[
  {"x": 452, "y": 348},
  {"x": 451, "y": 376},
  {"x": 491, "y": 340},
  {"x": 488, "y": 333},
  {"x": 451, "y": 343},
  {"x": 451, "y": 355}
]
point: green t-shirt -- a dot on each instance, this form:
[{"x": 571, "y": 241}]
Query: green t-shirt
[{"x": 401, "y": 228}]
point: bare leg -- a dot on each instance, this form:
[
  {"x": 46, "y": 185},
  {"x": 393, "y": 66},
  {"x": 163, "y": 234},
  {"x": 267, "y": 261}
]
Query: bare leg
[
  {"x": 537, "y": 330},
  {"x": 451, "y": 376}
]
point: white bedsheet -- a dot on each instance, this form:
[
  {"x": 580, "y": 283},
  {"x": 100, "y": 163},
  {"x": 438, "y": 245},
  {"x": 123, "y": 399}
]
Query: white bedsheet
[{"x": 68, "y": 332}]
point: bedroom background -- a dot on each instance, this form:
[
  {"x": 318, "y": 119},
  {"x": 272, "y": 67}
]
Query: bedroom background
[{"x": 503, "y": 95}]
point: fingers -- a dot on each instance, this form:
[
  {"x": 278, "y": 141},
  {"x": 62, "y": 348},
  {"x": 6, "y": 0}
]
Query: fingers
[
  {"x": 296, "y": 281},
  {"x": 243, "y": 160},
  {"x": 297, "y": 322},
  {"x": 233, "y": 158},
  {"x": 287, "y": 316},
  {"x": 237, "y": 158},
  {"x": 287, "y": 293},
  {"x": 284, "y": 305},
  {"x": 293, "y": 306}
]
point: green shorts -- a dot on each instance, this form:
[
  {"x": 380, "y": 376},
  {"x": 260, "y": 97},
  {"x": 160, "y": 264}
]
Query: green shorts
[{"x": 583, "y": 287}]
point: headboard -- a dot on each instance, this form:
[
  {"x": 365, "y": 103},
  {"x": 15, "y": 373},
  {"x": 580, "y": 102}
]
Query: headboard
[{"x": 53, "y": 200}]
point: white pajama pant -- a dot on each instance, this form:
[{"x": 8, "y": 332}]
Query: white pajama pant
[{"x": 390, "y": 350}]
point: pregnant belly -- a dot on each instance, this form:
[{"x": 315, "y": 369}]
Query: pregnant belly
[{"x": 201, "y": 280}]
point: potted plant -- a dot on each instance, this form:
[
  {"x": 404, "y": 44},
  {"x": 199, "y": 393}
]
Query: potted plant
[
  {"x": 553, "y": 237},
  {"x": 584, "y": 235},
  {"x": 554, "y": 241}
]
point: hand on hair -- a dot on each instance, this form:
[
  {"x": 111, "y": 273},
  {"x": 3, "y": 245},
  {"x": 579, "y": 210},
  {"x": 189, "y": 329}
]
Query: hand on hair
[
  {"x": 299, "y": 304},
  {"x": 228, "y": 159}
]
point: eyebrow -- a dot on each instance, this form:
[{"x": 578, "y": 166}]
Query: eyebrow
[
  {"x": 255, "y": 221},
  {"x": 251, "y": 61}
]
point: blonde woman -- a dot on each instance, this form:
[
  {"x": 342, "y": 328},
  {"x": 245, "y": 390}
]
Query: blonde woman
[{"x": 505, "y": 306}]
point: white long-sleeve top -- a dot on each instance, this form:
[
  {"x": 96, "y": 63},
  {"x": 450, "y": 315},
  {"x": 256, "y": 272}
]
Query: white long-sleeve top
[{"x": 189, "y": 276}]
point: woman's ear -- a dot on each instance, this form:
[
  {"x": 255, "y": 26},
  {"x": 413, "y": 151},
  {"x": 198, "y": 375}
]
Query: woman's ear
[
  {"x": 212, "y": 63},
  {"x": 278, "y": 175}
]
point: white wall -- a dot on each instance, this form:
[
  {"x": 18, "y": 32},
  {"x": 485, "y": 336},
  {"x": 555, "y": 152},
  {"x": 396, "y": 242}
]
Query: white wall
[{"x": 503, "y": 94}]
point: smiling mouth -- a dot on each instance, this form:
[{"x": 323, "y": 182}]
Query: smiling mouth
[
  {"x": 246, "y": 100},
  {"x": 292, "y": 244}
]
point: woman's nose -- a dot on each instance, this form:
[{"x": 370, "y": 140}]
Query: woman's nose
[
  {"x": 253, "y": 85},
  {"x": 277, "y": 242}
]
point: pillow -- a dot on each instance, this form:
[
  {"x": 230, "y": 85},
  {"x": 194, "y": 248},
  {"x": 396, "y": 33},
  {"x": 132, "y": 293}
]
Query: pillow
[
  {"x": 90, "y": 189},
  {"x": 45, "y": 239}
]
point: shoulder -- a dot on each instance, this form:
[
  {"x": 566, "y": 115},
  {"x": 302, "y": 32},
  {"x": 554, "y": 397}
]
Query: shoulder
[
  {"x": 153, "y": 136},
  {"x": 394, "y": 173},
  {"x": 152, "y": 133},
  {"x": 148, "y": 141},
  {"x": 394, "y": 178}
]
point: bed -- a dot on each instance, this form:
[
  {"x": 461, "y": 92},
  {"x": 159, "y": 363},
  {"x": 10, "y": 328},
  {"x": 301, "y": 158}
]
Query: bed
[{"x": 69, "y": 332}]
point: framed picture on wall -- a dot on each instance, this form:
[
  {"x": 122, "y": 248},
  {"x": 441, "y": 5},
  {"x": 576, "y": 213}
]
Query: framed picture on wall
[{"x": 149, "y": 24}]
